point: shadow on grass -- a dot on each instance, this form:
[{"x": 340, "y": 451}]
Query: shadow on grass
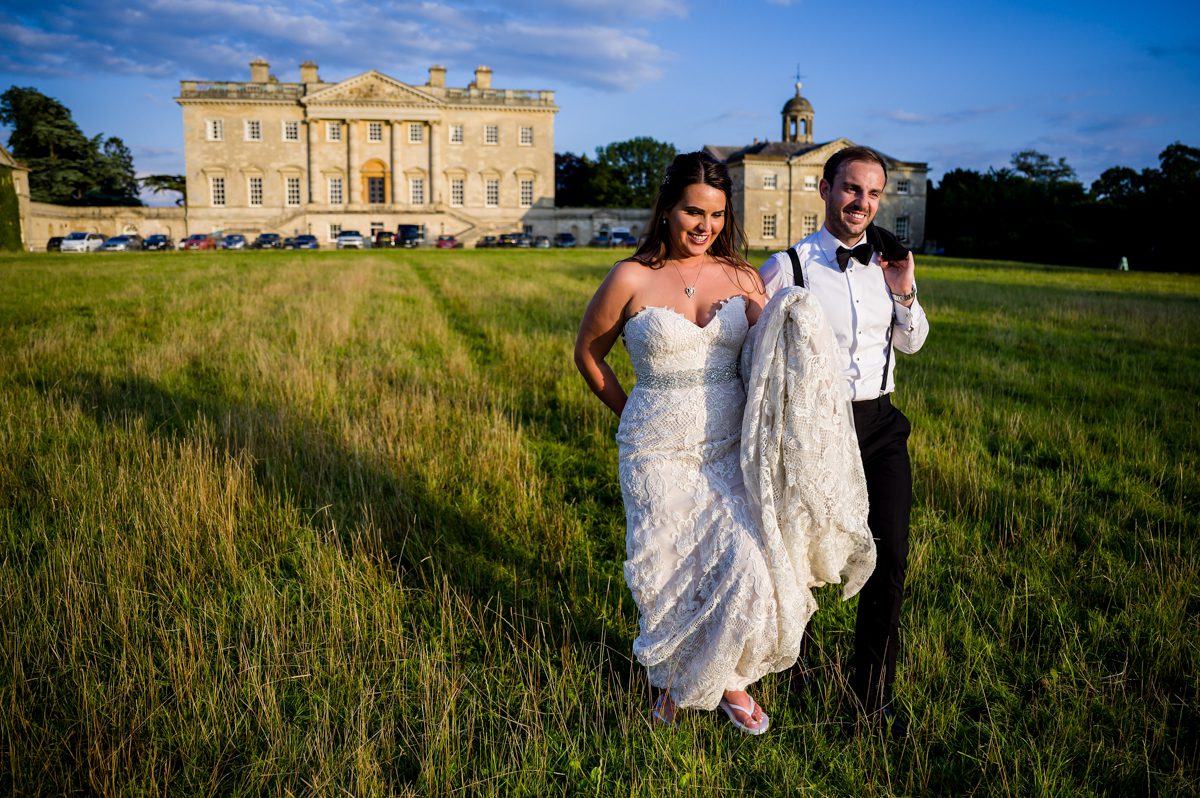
[{"x": 422, "y": 531}]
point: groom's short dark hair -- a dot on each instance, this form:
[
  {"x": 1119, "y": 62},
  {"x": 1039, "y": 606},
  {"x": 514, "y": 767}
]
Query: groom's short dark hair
[{"x": 849, "y": 154}]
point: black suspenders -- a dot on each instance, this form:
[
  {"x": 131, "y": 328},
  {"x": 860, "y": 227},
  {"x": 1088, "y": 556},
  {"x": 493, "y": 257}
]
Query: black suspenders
[{"x": 798, "y": 279}]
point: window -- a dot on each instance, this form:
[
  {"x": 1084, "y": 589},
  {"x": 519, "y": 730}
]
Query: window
[
  {"x": 810, "y": 182},
  {"x": 333, "y": 131},
  {"x": 336, "y": 193},
  {"x": 335, "y": 230},
  {"x": 810, "y": 224},
  {"x": 902, "y": 228},
  {"x": 253, "y": 130},
  {"x": 416, "y": 190},
  {"x": 254, "y": 190},
  {"x": 376, "y": 229},
  {"x": 457, "y": 192},
  {"x": 456, "y": 134},
  {"x": 526, "y": 193},
  {"x": 491, "y": 192},
  {"x": 217, "y": 185},
  {"x": 293, "y": 191},
  {"x": 770, "y": 181},
  {"x": 375, "y": 131},
  {"x": 526, "y": 136},
  {"x": 491, "y": 134},
  {"x": 215, "y": 129},
  {"x": 416, "y": 132},
  {"x": 769, "y": 225},
  {"x": 375, "y": 191},
  {"x": 291, "y": 131},
  {"x": 903, "y": 186}
]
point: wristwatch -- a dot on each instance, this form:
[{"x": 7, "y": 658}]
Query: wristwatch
[{"x": 906, "y": 297}]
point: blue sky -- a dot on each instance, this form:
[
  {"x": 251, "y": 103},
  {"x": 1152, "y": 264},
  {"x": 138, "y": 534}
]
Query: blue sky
[{"x": 953, "y": 84}]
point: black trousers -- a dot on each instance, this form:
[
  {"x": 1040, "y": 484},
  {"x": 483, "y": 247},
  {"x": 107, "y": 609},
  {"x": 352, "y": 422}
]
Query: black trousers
[{"x": 883, "y": 441}]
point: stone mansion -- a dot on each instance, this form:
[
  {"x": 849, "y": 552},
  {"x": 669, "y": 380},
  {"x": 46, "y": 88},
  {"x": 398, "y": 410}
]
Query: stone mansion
[{"x": 367, "y": 153}]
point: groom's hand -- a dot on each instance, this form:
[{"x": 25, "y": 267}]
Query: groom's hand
[{"x": 900, "y": 275}]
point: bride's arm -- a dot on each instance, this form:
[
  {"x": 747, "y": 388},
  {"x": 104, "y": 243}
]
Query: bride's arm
[{"x": 602, "y": 323}]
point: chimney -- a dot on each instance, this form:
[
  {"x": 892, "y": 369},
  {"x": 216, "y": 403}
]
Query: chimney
[
  {"x": 483, "y": 77},
  {"x": 308, "y": 72},
  {"x": 260, "y": 71},
  {"x": 437, "y": 76}
]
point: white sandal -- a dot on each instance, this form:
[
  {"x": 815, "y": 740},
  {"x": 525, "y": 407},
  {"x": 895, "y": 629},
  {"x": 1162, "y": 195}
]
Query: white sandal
[
  {"x": 656, "y": 714},
  {"x": 730, "y": 708}
]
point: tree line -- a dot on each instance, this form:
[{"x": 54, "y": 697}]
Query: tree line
[{"x": 1037, "y": 210}]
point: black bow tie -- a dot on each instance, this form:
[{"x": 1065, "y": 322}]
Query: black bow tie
[{"x": 862, "y": 253}]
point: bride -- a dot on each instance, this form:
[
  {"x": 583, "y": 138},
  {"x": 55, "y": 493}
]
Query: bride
[{"x": 684, "y": 303}]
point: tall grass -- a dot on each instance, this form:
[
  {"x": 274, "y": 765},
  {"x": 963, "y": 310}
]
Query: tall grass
[{"x": 348, "y": 523}]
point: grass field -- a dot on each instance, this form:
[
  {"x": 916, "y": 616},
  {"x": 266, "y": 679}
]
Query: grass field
[{"x": 348, "y": 524}]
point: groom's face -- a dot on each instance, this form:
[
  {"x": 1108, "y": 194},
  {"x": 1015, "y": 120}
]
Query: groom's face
[{"x": 852, "y": 201}]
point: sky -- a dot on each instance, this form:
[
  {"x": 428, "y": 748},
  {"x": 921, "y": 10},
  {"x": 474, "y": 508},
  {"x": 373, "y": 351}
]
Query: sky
[{"x": 952, "y": 84}]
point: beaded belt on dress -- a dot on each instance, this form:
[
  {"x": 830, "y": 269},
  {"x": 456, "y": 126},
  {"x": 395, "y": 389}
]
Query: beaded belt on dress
[{"x": 694, "y": 378}]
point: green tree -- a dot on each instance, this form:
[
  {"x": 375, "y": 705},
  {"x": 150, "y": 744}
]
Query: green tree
[
  {"x": 66, "y": 167},
  {"x": 47, "y": 139},
  {"x": 116, "y": 178},
  {"x": 162, "y": 183},
  {"x": 633, "y": 169},
  {"x": 1041, "y": 168},
  {"x": 573, "y": 175}
]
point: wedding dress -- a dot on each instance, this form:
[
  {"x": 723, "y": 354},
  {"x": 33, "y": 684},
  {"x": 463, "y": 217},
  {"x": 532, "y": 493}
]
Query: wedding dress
[{"x": 721, "y": 602}]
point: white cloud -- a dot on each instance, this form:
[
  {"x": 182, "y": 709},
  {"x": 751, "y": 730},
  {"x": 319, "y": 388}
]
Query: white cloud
[
  {"x": 946, "y": 117},
  {"x": 571, "y": 41}
]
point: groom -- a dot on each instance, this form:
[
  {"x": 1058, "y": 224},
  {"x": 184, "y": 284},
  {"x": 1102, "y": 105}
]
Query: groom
[{"x": 864, "y": 280}]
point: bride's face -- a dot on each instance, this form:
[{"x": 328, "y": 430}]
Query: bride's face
[{"x": 694, "y": 222}]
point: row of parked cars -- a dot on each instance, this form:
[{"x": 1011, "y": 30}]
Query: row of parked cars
[{"x": 405, "y": 236}]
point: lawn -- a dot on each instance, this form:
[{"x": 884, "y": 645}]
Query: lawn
[{"x": 283, "y": 523}]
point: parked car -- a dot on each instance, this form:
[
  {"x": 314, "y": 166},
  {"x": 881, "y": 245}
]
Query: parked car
[
  {"x": 289, "y": 242},
  {"x": 267, "y": 241},
  {"x": 385, "y": 238},
  {"x": 82, "y": 242},
  {"x": 487, "y": 242},
  {"x": 306, "y": 242},
  {"x": 122, "y": 244},
  {"x": 233, "y": 241},
  {"x": 508, "y": 240},
  {"x": 199, "y": 241},
  {"x": 620, "y": 239},
  {"x": 54, "y": 244},
  {"x": 410, "y": 235},
  {"x": 448, "y": 242},
  {"x": 157, "y": 242},
  {"x": 350, "y": 239},
  {"x": 564, "y": 240},
  {"x": 524, "y": 241},
  {"x": 601, "y": 240},
  {"x": 541, "y": 242}
]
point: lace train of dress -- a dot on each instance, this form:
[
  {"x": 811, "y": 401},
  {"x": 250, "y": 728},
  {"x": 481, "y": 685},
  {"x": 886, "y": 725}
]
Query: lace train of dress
[{"x": 723, "y": 597}]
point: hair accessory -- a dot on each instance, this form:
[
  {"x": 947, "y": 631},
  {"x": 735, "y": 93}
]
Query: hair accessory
[{"x": 666, "y": 179}]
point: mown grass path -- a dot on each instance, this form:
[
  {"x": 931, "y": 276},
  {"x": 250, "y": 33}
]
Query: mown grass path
[{"x": 348, "y": 523}]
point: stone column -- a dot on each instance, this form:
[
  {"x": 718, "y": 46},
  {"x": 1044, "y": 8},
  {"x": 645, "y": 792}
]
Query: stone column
[
  {"x": 435, "y": 157},
  {"x": 352, "y": 175},
  {"x": 395, "y": 164},
  {"x": 311, "y": 131}
]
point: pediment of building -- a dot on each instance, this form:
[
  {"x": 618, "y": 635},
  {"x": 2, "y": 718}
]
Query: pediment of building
[
  {"x": 818, "y": 155},
  {"x": 374, "y": 88}
]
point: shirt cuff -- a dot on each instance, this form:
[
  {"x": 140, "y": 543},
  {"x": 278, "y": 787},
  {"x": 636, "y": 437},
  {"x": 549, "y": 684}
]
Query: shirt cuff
[{"x": 904, "y": 315}]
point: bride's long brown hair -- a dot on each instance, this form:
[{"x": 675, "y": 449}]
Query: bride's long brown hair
[{"x": 687, "y": 170}]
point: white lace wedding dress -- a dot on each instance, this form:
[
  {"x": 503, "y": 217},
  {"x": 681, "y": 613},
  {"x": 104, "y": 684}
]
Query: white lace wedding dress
[{"x": 721, "y": 605}]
